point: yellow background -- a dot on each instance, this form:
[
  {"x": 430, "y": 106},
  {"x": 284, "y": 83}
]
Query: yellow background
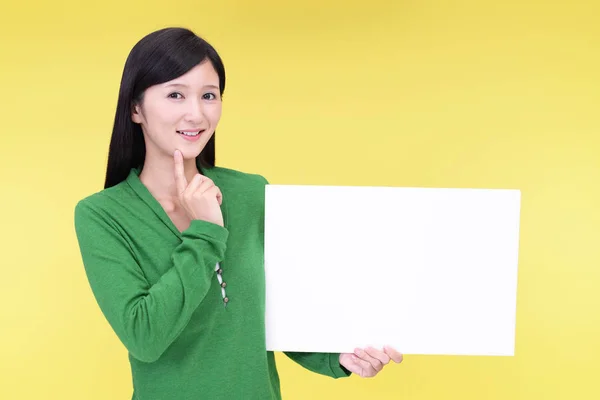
[{"x": 404, "y": 93}]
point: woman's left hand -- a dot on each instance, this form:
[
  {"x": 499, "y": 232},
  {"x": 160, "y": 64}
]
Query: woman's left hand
[{"x": 368, "y": 362}]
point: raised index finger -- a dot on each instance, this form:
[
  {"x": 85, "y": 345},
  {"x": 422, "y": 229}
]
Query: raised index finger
[{"x": 180, "y": 180}]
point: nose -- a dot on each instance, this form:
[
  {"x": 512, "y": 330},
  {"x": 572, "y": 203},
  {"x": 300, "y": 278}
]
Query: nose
[{"x": 194, "y": 112}]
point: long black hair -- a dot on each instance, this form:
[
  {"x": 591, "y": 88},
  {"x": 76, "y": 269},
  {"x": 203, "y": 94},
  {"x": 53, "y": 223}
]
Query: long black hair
[{"x": 159, "y": 57}]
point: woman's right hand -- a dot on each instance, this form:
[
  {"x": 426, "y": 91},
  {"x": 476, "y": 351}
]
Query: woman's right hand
[{"x": 200, "y": 199}]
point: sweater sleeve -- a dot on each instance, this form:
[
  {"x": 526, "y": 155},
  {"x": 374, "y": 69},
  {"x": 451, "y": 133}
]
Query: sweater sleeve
[
  {"x": 322, "y": 363},
  {"x": 147, "y": 318}
]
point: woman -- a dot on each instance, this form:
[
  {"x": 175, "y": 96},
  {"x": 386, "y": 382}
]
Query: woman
[{"x": 173, "y": 245}]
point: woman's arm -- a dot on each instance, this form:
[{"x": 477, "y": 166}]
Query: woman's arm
[
  {"x": 327, "y": 364},
  {"x": 147, "y": 318}
]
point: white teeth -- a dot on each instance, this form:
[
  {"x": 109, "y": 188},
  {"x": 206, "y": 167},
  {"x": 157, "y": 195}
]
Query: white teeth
[{"x": 189, "y": 133}]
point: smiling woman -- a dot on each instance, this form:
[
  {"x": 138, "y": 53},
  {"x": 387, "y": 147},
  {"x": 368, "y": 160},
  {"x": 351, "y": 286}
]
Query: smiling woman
[
  {"x": 189, "y": 108},
  {"x": 172, "y": 82},
  {"x": 173, "y": 246},
  {"x": 195, "y": 104}
]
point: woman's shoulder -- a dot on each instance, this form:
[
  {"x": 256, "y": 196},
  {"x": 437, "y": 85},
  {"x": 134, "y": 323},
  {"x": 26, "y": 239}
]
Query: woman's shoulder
[{"x": 106, "y": 200}]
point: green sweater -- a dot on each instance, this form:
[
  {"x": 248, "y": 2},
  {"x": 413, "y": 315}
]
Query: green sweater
[{"x": 188, "y": 338}]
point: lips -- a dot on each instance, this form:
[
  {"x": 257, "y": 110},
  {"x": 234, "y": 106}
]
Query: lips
[{"x": 190, "y": 133}]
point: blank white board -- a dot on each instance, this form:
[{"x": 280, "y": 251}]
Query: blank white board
[{"x": 425, "y": 270}]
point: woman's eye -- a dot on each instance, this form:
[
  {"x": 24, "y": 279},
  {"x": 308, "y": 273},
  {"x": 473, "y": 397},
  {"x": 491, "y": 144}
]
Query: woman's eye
[
  {"x": 175, "y": 95},
  {"x": 209, "y": 96}
]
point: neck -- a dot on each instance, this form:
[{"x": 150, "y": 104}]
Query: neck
[{"x": 158, "y": 175}]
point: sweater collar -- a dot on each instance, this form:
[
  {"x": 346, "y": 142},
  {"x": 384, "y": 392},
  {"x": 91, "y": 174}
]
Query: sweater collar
[{"x": 133, "y": 180}]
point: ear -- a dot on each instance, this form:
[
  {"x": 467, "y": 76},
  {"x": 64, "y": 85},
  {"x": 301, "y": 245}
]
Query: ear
[{"x": 136, "y": 115}]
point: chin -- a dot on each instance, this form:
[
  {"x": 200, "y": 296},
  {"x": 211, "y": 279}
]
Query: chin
[
  {"x": 190, "y": 149},
  {"x": 189, "y": 152}
]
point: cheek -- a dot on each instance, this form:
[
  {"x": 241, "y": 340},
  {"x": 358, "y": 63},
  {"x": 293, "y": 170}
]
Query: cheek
[
  {"x": 214, "y": 113},
  {"x": 162, "y": 118}
]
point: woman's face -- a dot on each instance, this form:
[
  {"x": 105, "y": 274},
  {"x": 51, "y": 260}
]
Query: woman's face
[{"x": 180, "y": 114}]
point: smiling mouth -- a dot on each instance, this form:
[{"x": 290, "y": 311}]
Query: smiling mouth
[{"x": 190, "y": 133}]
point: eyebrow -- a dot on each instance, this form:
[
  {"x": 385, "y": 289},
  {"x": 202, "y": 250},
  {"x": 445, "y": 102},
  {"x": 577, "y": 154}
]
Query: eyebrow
[{"x": 185, "y": 86}]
